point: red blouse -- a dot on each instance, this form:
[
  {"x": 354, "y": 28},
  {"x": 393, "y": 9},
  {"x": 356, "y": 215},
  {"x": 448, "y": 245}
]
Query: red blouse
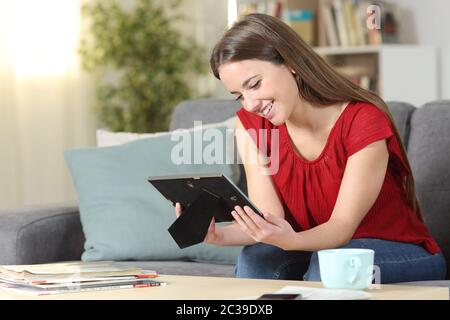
[{"x": 309, "y": 189}]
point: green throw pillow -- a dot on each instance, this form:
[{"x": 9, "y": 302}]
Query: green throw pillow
[{"x": 123, "y": 216}]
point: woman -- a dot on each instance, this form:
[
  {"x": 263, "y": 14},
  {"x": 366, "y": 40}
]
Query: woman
[{"x": 343, "y": 179}]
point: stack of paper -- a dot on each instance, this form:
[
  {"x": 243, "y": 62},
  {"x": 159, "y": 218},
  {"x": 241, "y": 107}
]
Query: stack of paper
[{"x": 44, "y": 279}]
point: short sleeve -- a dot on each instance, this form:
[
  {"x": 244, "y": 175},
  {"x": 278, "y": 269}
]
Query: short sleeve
[
  {"x": 365, "y": 125},
  {"x": 258, "y": 128}
]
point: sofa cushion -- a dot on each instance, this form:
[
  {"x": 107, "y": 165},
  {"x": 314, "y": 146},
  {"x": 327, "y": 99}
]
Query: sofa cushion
[
  {"x": 401, "y": 112},
  {"x": 428, "y": 152},
  {"x": 39, "y": 234},
  {"x": 205, "y": 110},
  {"x": 126, "y": 218},
  {"x": 106, "y": 138}
]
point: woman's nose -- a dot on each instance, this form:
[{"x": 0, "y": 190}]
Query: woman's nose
[{"x": 252, "y": 105}]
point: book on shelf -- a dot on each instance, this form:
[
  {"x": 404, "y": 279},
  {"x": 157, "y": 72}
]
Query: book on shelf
[
  {"x": 365, "y": 81},
  {"x": 341, "y": 25},
  {"x": 333, "y": 22},
  {"x": 354, "y": 22},
  {"x": 270, "y": 7},
  {"x": 329, "y": 17},
  {"x": 302, "y": 21},
  {"x": 359, "y": 75},
  {"x": 56, "y": 278},
  {"x": 389, "y": 31}
]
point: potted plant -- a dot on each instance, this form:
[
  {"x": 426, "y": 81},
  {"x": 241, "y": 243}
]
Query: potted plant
[{"x": 149, "y": 58}]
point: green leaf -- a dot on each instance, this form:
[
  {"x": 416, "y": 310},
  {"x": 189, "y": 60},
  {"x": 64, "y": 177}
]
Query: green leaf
[{"x": 151, "y": 56}]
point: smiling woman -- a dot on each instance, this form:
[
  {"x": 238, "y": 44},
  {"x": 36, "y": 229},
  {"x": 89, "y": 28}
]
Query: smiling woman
[{"x": 344, "y": 179}]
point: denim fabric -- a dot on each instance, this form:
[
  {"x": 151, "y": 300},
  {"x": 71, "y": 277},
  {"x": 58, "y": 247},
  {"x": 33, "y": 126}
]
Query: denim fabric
[
  {"x": 263, "y": 261},
  {"x": 397, "y": 262}
]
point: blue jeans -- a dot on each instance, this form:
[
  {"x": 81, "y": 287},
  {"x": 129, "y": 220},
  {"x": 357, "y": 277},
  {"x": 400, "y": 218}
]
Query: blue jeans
[{"x": 397, "y": 262}]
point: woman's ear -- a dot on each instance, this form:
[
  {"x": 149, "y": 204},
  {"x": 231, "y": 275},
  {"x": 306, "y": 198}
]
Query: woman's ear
[{"x": 291, "y": 70}]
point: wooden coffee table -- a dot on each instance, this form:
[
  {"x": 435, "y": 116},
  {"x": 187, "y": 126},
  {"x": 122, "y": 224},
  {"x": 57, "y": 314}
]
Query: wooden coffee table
[{"x": 215, "y": 288}]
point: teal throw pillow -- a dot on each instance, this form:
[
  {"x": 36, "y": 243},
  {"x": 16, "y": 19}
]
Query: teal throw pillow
[{"x": 123, "y": 216}]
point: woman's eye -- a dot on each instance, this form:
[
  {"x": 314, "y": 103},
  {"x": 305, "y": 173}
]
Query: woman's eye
[{"x": 256, "y": 85}]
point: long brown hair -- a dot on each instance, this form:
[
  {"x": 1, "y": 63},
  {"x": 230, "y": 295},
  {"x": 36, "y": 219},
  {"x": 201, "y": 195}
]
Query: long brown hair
[{"x": 266, "y": 38}]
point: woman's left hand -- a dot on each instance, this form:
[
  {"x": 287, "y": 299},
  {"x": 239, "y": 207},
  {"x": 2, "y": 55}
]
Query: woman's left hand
[{"x": 271, "y": 230}]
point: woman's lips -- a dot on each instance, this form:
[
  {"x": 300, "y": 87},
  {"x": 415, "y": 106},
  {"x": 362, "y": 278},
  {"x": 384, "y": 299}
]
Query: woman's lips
[{"x": 267, "y": 111}]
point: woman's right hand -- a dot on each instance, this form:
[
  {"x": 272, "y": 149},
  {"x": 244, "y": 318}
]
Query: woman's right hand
[{"x": 212, "y": 236}]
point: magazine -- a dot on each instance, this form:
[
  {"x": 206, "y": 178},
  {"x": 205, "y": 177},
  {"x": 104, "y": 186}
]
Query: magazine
[{"x": 54, "y": 278}]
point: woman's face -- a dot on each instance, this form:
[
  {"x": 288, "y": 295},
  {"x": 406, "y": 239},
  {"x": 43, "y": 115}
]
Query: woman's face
[{"x": 264, "y": 88}]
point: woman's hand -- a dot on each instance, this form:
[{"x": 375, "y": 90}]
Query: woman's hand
[
  {"x": 271, "y": 230},
  {"x": 212, "y": 236}
]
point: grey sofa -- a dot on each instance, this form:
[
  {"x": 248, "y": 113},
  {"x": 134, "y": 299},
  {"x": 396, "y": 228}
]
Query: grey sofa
[{"x": 54, "y": 233}]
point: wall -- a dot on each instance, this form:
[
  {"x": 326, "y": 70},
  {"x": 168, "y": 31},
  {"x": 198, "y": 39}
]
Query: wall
[
  {"x": 45, "y": 101},
  {"x": 208, "y": 20},
  {"x": 428, "y": 23}
]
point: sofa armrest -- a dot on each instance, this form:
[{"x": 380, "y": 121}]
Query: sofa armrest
[{"x": 40, "y": 234}]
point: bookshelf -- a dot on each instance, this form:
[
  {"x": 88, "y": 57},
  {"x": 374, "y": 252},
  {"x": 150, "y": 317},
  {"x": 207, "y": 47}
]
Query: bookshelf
[
  {"x": 397, "y": 72},
  {"x": 331, "y": 22},
  {"x": 371, "y": 58}
]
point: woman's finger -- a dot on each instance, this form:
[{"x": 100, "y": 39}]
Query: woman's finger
[
  {"x": 178, "y": 209},
  {"x": 212, "y": 225},
  {"x": 257, "y": 220},
  {"x": 237, "y": 218},
  {"x": 247, "y": 220},
  {"x": 241, "y": 223}
]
